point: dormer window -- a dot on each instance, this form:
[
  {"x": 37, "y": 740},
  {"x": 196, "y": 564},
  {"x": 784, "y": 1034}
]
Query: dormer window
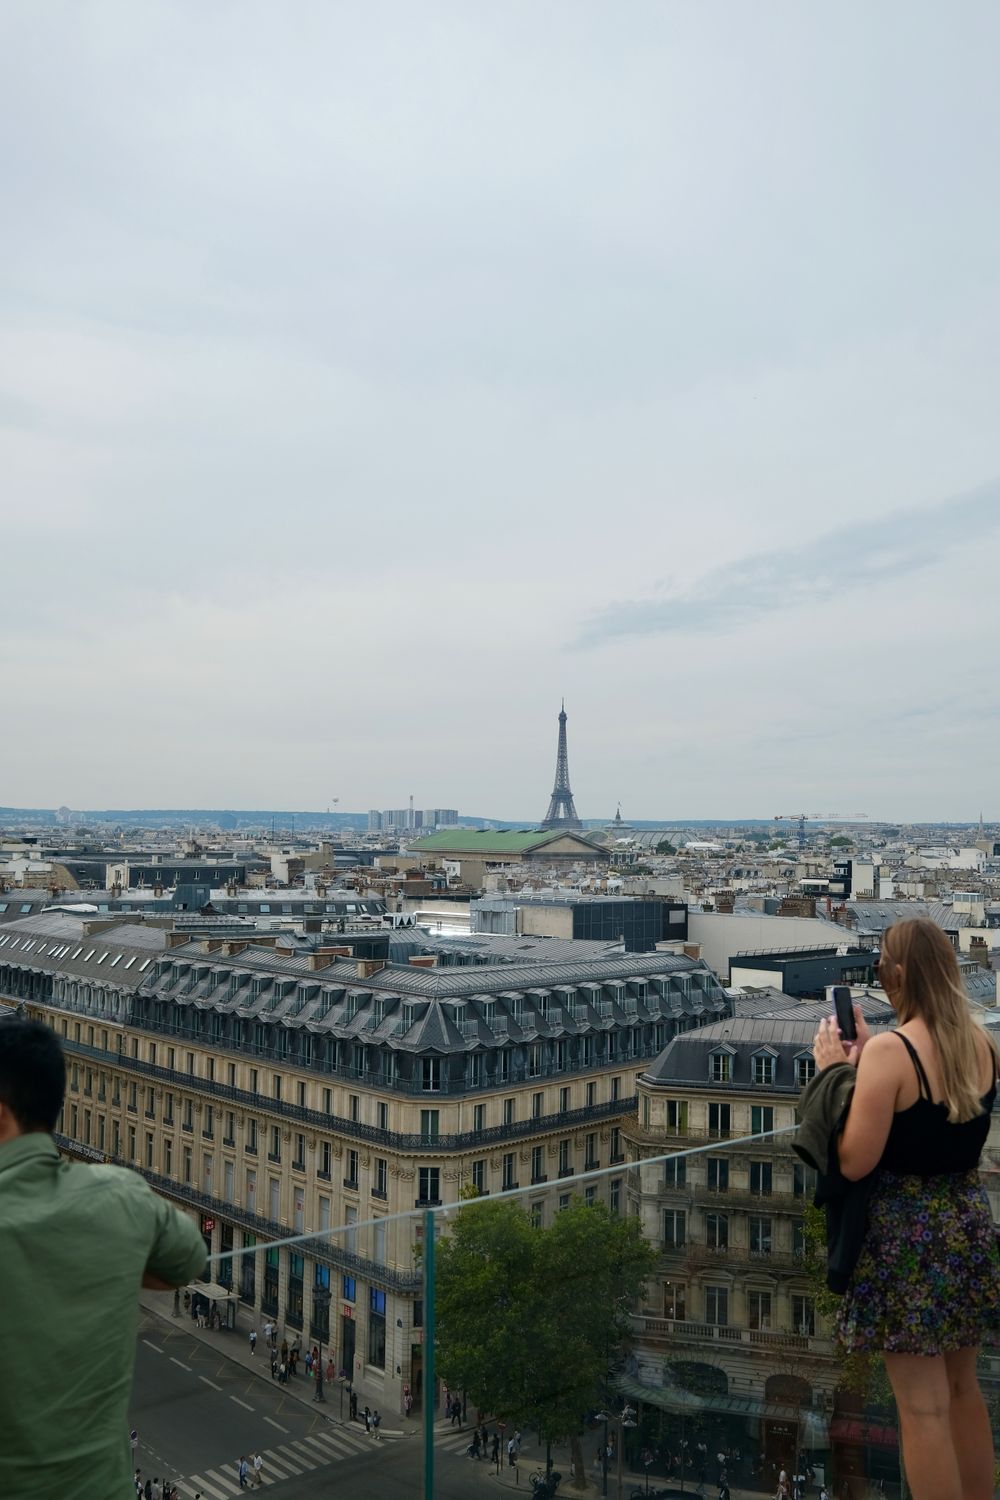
[
  {"x": 805, "y": 1069},
  {"x": 721, "y": 1066},
  {"x": 762, "y": 1067}
]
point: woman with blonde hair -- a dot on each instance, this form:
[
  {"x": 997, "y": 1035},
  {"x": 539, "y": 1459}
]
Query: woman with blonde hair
[{"x": 926, "y": 1287}]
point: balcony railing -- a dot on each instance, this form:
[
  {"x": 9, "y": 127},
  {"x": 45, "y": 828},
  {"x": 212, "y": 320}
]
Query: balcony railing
[{"x": 465, "y": 1140}]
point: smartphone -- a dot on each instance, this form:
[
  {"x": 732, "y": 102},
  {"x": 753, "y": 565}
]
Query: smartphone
[{"x": 843, "y": 1007}]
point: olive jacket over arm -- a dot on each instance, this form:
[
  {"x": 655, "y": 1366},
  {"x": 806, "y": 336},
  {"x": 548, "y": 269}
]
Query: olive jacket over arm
[{"x": 822, "y": 1111}]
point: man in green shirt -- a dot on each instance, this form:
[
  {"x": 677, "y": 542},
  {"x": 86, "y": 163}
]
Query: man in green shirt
[{"x": 76, "y": 1244}]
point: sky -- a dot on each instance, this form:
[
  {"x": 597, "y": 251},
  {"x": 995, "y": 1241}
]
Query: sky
[{"x": 374, "y": 376}]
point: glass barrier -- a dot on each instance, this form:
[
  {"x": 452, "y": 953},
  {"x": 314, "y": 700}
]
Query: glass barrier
[{"x": 727, "y": 1379}]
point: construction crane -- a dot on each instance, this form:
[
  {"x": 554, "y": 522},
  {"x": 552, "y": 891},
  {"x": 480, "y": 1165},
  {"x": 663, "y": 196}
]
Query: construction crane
[{"x": 803, "y": 818}]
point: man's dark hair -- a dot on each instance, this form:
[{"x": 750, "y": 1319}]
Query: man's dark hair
[{"x": 32, "y": 1073}]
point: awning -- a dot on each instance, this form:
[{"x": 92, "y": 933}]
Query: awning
[
  {"x": 212, "y": 1290},
  {"x": 672, "y": 1397}
]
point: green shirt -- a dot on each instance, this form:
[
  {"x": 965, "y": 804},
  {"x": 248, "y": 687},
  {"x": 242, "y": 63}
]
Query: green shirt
[{"x": 75, "y": 1241}]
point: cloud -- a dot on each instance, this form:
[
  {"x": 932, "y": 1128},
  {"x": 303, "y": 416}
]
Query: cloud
[{"x": 813, "y": 572}]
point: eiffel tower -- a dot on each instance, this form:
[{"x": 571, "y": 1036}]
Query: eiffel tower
[{"x": 562, "y": 813}]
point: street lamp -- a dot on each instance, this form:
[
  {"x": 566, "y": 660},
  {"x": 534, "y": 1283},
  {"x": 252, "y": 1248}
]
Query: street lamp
[{"x": 321, "y": 1305}]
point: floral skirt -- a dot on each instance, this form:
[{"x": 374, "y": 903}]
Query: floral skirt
[{"x": 927, "y": 1280}]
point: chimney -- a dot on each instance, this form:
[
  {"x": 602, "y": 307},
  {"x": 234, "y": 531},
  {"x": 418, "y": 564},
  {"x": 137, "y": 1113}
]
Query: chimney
[
  {"x": 692, "y": 950},
  {"x": 230, "y": 948},
  {"x": 368, "y": 966},
  {"x": 177, "y": 939},
  {"x": 322, "y": 958},
  {"x": 423, "y": 960}
]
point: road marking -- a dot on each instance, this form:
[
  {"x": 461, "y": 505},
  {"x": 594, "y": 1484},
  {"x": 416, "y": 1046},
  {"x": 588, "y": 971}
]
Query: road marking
[
  {"x": 180, "y": 1362},
  {"x": 223, "y": 1482},
  {"x": 210, "y": 1382},
  {"x": 153, "y": 1346},
  {"x": 209, "y": 1489},
  {"x": 290, "y": 1457},
  {"x": 276, "y": 1424},
  {"x": 241, "y": 1403}
]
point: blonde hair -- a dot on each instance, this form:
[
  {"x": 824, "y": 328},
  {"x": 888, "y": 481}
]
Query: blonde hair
[{"x": 932, "y": 989}]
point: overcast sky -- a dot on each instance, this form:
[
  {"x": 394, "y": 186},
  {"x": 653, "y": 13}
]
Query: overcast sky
[{"x": 373, "y": 375}]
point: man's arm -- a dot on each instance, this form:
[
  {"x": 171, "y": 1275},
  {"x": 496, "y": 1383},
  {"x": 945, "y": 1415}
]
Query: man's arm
[
  {"x": 157, "y": 1284},
  {"x": 178, "y": 1253}
]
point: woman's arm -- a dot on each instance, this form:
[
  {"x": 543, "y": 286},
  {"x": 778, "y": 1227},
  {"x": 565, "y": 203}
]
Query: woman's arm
[{"x": 869, "y": 1118}]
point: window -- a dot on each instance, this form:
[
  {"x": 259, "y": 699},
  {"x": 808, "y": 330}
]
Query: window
[
  {"x": 430, "y": 1074},
  {"x": 718, "y": 1174},
  {"x": 717, "y": 1231},
  {"x": 536, "y": 1215},
  {"x": 477, "y": 1070},
  {"x": 296, "y": 1272},
  {"x": 564, "y": 1101},
  {"x": 381, "y": 1177},
  {"x": 429, "y": 1124},
  {"x": 805, "y": 1070},
  {"x": 760, "y": 1236},
  {"x": 376, "y": 1328},
  {"x": 615, "y": 1196},
  {"x": 616, "y": 1145},
  {"x": 269, "y": 1296},
  {"x": 275, "y": 1152},
  {"x": 352, "y": 1169},
  {"x": 590, "y": 1195},
  {"x": 325, "y": 1165},
  {"x": 761, "y": 1118},
  {"x": 758, "y": 1310},
  {"x": 719, "y": 1120},
  {"x": 804, "y": 1315},
  {"x": 537, "y": 1101},
  {"x": 675, "y": 1172},
  {"x": 383, "y": 1116},
  {"x": 354, "y": 1107},
  {"x": 350, "y": 1289},
  {"x": 299, "y": 1160},
  {"x": 508, "y": 1111},
  {"x": 252, "y": 1137},
  {"x": 229, "y": 1137},
  {"x": 378, "y": 1241},
  {"x": 721, "y": 1067},
  {"x": 479, "y": 1176},
  {"x": 186, "y": 1166},
  {"x": 674, "y": 1228},
  {"x": 590, "y": 1159},
  {"x": 149, "y": 1143},
  {"x": 430, "y": 1184},
  {"x": 616, "y": 1088},
  {"x": 677, "y": 1116},
  {"x": 717, "y": 1305},
  {"x": 591, "y": 1087},
  {"x": 537, "y": 1164},
  {"x": 509, "y": 1180},
  {"x": 564, "y": 1165},
  {"x": 350, "y": 1230},
  {"x": 229, "y": 1180},
  {"x": 760, "y": 1178},
  {"x": 674, "y": 1301},
  {"x": 803, "y": 1180},
  {"x": 248, "y": 1268},
  {"x": 763, "y": 1068},
  {"x": 799, "y": 1240},
  {"x": 252, "y": 1189},
  {"x": 477, "y": 1117},
  {"x": 168, "y": 1157},
  {"x": 274, "y": 1197}
]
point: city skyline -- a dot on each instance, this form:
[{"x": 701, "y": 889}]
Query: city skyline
[{"x": 370, "y": 384}]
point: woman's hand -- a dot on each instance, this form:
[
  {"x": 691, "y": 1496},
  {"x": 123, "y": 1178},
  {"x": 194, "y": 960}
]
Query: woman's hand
[{"x": 828, "y": 1046}]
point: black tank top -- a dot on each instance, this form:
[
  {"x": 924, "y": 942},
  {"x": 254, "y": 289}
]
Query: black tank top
[{"x": 923, "y": 1144}]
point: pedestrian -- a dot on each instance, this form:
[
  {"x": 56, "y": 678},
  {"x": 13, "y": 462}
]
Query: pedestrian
[
  {"x": 253, "y": 1341},
  {"x": 495, "y": 1449},
  {"x": 456, "y": 1410},
  {"x": 268, "y": 1330},
  {"x": 157, "y": 1492},
  {"x": 354, "y": 1406},
  {"x": 724, "y": 1491},
  {"x": 376, "y": 1424},
  {"x": 282, "y": 1373},
  {"x": 473, "y": 1449},
  {"x": 329, "y": 1371},
  {"x": 258, "y": 1464},
  {"x": 137, "y": 1481},
  {"x": 242, "y": 1468},
  {"x": 148, "y": 1490},
  {"x": 920, "y": 1114},
  {"x": 284, "y": 1351},
  {"x": 274, "y": 1365},
  {"x": 510, "y": 1452},
  {"x": 309, "y": 1362},
  {"x": 483, "y": 1435}
]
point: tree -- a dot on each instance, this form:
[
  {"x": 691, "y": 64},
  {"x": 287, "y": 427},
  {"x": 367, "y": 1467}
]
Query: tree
[
  {"x": 666, "y": 847},
  {"x": 530, "y": 1321},
  {"x": 841, "y": 842}
]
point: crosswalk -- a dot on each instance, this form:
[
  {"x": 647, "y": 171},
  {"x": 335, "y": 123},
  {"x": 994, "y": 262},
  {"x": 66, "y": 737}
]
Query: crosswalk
[
  {"x": 288, "y": 1460},
  {"x": 448, "y": 1439}
]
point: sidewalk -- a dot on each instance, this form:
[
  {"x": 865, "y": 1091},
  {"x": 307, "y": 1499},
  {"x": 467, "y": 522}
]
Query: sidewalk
[{"x": 234, "y": 1344}]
